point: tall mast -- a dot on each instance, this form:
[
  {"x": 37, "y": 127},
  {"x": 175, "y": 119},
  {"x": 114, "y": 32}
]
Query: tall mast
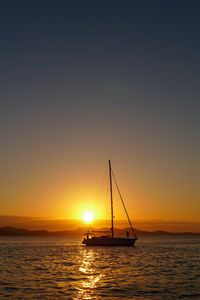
[{"x": 111, "y": 198}]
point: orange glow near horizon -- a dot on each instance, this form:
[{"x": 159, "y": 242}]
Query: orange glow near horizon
[
  {"x": 81, "y": 192},
  {"x": 86, "y": 207}
]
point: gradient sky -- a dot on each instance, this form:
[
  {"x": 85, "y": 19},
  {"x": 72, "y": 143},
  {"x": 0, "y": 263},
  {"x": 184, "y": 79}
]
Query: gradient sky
[{"x": 85, "y": 81}]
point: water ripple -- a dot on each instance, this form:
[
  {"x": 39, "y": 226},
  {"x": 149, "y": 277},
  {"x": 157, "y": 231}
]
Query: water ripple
[{"x": 157, "y": 268}]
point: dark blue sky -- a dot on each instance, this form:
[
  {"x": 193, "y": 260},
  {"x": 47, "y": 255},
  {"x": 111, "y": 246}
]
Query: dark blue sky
[{"x": 82, "y": 81}]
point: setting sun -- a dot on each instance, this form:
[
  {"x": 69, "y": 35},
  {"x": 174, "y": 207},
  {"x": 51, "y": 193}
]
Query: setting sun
[{"x": 88, "y": 217}]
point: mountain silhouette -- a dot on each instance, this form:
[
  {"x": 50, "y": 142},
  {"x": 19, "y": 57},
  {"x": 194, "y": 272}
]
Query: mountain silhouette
[{"x": 12, "y": 231}]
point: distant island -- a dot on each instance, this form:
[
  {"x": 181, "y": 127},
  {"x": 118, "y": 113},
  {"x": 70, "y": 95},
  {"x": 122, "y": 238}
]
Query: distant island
[{"x": 12, "y": 231}]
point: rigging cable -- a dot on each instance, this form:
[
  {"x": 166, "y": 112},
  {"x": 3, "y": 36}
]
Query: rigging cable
[{"x": 123, "y": 204}]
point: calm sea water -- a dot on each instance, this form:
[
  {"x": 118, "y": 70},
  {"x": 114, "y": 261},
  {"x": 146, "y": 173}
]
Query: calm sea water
[{"x": 61, "y": 268}]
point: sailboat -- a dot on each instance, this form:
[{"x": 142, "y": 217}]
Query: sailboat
[{"x": 107, "y": 238}]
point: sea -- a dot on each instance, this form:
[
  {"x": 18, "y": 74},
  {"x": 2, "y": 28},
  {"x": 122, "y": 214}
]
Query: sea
[{"x": 62, "y": 268}]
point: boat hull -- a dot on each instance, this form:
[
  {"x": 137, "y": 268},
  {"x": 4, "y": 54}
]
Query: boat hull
[{"x": 114, "y": 242}]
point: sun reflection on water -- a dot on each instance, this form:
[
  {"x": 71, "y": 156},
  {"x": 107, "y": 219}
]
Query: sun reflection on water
[{"x": 86, "y": 290}]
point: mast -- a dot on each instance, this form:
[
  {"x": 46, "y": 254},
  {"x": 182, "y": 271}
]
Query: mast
[{"x": 111, "y": 198}]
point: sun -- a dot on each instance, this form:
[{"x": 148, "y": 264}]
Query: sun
[{"x": 88, "y": 217}]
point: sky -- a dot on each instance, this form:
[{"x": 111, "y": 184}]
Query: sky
[{"x": 87, "y": 81}]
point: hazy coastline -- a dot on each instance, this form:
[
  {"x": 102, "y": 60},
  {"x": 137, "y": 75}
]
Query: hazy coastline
[
  {"x": 52, "y": 224},
  {"x": 12, "y": 231}
]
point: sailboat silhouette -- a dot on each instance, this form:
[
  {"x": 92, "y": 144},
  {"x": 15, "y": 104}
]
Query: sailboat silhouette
[{"x": 108, "y": 239}]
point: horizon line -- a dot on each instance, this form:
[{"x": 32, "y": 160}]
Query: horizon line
[{"x": 118, "y": 220}]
